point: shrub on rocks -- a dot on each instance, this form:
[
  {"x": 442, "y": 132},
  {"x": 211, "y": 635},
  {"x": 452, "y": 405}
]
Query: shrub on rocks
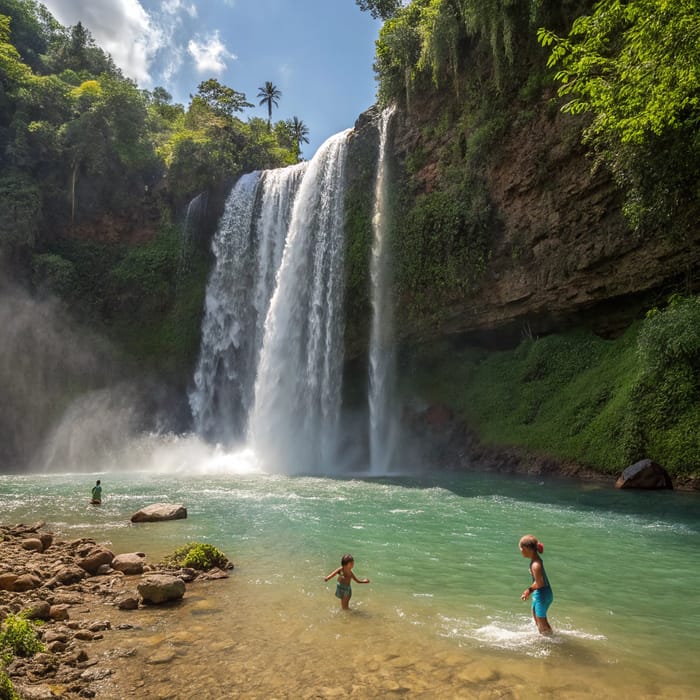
[
  {"x": 19, "y": 638},
  {"x": 7, "y": 690},
  {"x": 198, "y": 555}
]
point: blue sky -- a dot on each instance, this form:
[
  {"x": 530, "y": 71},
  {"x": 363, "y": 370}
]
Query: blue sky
[{"x": 319, "y": 53}]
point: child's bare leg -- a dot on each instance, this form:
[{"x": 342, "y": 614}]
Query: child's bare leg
[
  {"x": 345, "y": 602},
  {"x": 542, "y": 625}
]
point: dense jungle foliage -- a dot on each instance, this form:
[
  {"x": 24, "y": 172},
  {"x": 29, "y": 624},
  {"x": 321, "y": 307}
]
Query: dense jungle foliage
[
  {"x": 95, "y": 174},
  {"x": 464, "y": 71}
]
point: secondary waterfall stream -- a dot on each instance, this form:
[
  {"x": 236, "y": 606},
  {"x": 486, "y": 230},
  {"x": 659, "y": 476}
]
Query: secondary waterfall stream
[{"x": 383, "y": 422}]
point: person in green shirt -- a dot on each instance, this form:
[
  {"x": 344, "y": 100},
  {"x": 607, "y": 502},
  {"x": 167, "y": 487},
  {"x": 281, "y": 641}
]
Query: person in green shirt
[{"x": 96, "y": 494}]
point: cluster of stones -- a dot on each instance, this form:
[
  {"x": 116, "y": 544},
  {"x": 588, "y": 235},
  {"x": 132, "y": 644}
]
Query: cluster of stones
[{"x": 45, "y": 579}]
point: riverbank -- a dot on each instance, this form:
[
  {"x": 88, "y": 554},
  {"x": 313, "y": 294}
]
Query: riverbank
[
  {"x": 442, "y": 439},
  {"x": 72, "y": 603}
]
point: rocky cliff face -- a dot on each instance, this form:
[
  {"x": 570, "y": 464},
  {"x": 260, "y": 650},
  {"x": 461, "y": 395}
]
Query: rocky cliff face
[{"x": 561, "y": 251}]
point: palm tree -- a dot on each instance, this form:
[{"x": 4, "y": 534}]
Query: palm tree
[
  {"x": 269, "y": 95},
  {"x": 299, "y": 132}
]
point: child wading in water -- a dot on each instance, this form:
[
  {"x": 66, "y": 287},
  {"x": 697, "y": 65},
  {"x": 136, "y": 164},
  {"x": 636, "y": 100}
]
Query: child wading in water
[
  {"x": 540, "y": 589},
  {"x": 345, "y": 575}
]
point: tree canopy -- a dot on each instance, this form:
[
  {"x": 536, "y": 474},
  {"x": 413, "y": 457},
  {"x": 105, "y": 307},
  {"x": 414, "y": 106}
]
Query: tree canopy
[
  {"x": 631, "y": 66},
  {"x": 78, "y": 140},
  {"x": 379, "y": 8},
  {"x": 635, "y": 67}
]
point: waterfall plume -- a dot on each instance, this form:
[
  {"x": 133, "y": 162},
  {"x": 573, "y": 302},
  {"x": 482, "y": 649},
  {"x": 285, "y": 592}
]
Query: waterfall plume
[
  {"x": 383, "y": 419},
  {"x": 294, "y": 419}
]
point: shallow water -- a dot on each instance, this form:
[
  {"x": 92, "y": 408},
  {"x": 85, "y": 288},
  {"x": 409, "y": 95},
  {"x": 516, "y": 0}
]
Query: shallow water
[{"x": 442, "y": 616}]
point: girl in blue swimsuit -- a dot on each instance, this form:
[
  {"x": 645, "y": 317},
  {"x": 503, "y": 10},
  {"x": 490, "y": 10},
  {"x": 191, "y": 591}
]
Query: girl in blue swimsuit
[
  {"x": 540, "y": 590},
  {"x": 345, "y": 575}
]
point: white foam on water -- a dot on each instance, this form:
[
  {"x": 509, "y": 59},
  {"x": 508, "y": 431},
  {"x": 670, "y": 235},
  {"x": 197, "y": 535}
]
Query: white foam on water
[{"x": 515, "y": 635}]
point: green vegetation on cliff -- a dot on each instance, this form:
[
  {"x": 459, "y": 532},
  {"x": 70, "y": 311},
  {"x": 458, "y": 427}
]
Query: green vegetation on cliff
[
  {"x": 576, "y": 396},
  {"x": 633, "y": 66},
  {"x": 451, "y": 66}
]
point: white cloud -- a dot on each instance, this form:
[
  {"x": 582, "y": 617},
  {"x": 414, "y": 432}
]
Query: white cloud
[
  {"x": 209, "y": 53},
  {"x": 173, "y": 7},
  {"x": 121, "y": 27},
  {"x": 173, "y": 64}
]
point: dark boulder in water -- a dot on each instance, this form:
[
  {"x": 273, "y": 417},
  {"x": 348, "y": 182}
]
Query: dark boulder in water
[{"x": 644, "y": 474}]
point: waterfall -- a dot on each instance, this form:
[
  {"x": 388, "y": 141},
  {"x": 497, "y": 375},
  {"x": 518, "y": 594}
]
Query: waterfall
[
  {"x": 383, "y": 420},
  {"x": 221, "y": 381},
  {"x": 248, "y": 249},
  {"x": 193, "y": 219},
  {"x": 294, "y": 419}
]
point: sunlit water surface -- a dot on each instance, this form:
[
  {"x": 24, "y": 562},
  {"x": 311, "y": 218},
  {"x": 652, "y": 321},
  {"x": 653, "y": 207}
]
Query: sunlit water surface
[{"x": 442, "y": 616}]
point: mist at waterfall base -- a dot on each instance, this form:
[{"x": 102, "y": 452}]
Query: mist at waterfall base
[
  {"x": 267, "y": 389},
  {"x": 66, "y": 403}
]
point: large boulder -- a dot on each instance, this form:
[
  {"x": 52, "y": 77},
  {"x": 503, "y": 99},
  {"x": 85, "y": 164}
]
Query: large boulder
[
  {"x": 26, "y": 582},
  {"x": 33, "y": 544},
  {"x": 158, "y": 512},
  {"x": 95, "y": 558},
  {"x": 644, "y": 474},
  {"x": 130, "y": 564},
  {"x": 160, "y": 588}
]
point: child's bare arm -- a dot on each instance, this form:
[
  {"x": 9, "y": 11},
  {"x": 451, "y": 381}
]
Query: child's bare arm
[
  {"x": 331, "y": 575},
  {"x": 359, "y": 580}
]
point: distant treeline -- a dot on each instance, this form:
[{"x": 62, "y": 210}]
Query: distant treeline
[{"x": 79, "y": 141}]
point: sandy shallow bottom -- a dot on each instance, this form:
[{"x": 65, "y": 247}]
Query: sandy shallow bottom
[{"x": 240, "y": 639}]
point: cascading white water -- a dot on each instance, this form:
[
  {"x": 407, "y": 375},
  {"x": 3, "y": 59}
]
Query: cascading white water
[
  {"x": 279, "y": 187},
  {"x": 294, "y": 420},
  {"x": 383, "y": 420},
  {"x": 221, "y": 380},
  {"x": 248, "y": 248},
  {"x": 193, "y": 217}
]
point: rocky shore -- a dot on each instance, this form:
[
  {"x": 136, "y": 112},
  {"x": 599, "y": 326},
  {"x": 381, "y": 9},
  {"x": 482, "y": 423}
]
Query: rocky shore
[{"x": 75, "y": 593}]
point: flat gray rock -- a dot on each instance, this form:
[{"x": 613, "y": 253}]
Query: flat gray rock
[{"x": 159, "y": 511}]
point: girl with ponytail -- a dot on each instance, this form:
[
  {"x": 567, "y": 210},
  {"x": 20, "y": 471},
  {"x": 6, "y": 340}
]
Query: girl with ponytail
[{"x": 540, "y": 590}]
